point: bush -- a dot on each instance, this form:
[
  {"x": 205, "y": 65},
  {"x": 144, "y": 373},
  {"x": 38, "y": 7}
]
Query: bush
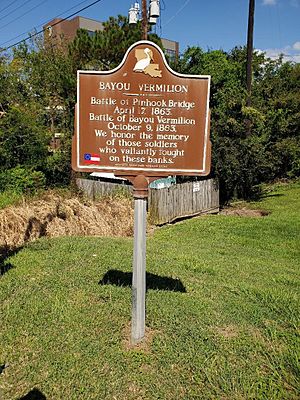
[
  {"x": 23, "y": 140},
  {"x": 9, "y": 197},
  {"x": 22, "y": 180},
  {"x": 287, "y": 153},
  {"x": 57, "y": 169},
  {"x": 240, "y": 166}
]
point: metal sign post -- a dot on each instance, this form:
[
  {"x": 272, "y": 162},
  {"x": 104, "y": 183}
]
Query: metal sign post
[
  {"x": 139, "y": 272},
  {"x": 140, "y": 185}
]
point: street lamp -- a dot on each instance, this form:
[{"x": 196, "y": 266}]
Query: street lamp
[{"x": 153, "y": 14}]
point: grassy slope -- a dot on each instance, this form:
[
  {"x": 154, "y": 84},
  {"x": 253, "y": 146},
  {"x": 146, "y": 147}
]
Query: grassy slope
[{"x": 233, "y": 335}]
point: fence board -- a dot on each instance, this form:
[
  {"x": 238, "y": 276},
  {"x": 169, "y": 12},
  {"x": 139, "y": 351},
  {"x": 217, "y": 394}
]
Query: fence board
[
  {"x": 165, "y": 205},
  {"x": 183, "y": 200},
  {"x": 94, "y": 189}
]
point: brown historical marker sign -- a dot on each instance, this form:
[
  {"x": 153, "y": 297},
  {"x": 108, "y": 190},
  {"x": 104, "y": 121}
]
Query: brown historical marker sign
[{"x": 142, "y": 118}]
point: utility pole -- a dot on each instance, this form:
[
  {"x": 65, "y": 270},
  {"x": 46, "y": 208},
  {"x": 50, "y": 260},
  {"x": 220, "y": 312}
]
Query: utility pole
[
  {"x": 250, "y": 50},
  {"x": 144, "y": 20},
  {"x": 249, "y": 61},
  {"x": 134, "y": 15}
]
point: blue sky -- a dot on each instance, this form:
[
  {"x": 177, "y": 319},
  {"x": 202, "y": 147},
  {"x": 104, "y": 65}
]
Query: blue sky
[{"x": 214, "y": 24}]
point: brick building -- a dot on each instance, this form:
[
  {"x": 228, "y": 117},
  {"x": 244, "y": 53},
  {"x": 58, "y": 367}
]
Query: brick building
[{"x": 59, "y": 28}]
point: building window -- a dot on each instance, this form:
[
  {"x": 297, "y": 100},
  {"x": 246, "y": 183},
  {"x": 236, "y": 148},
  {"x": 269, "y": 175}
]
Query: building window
[
  {"x": 91, "y": 33},
  {"x": 171, "y": 54}
]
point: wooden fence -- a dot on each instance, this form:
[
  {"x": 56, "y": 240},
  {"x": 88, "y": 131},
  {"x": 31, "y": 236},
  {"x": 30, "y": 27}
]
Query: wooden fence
[
  {"x": 94, "y": 188},
  {"x": 183, "y": 200},
  {"x": 168, "y": 204}
]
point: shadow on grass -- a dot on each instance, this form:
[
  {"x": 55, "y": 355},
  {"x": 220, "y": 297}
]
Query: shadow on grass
[
  {"x": 34, "y": 394},
  {"x": 155, "y": 282},
  {"x": 5, "y": 253},
  {"x": 3, "y": 367}
]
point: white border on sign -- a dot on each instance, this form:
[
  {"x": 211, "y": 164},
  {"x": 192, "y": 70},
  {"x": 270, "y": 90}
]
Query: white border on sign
[{"x": 208, "y": 77}]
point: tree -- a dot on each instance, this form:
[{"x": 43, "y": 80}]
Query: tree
[
  {"x": 272, "y": 151},
  {"x": 38, "y": 95},
  {"x": 106, "y": 49},
  {"x": 23, "y": 139}
]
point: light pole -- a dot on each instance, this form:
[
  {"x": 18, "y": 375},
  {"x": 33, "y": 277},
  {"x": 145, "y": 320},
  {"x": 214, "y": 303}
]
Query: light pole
[{"x": 147, "y": 18}]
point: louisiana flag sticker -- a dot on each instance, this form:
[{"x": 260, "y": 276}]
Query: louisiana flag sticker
[{"x": 91, "y": 158}]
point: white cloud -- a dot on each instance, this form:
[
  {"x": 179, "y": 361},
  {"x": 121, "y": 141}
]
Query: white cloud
[
  {"x": 288, "y": 53},
  {"x": 296, "y": 46},
  {"x": 292, "y": 3},
  {"x": 295, "y": 58},
  {"x": 269, "y": 2}
]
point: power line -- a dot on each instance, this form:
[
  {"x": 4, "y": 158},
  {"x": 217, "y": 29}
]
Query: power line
[
  {"x": 27, "y": 12},
  {"x": 42, "y": 24},
  {"x": 5, "y": 8},
  {"x": 56, "y": 23},
  {"x": 178, "y": 11},
  {"x": 15, "y": 9}
]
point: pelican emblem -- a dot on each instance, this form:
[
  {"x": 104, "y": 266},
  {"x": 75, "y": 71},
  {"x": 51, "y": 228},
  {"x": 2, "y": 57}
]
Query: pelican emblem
[
  {"x": 144, "y": 65},
  {"x": 144, "y": 62}
]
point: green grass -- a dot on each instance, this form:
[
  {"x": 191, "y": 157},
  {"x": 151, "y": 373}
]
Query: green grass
[
  {"x": 9, "y": 197},
  {"x": 15, "y": 198},
  {"x": 234, "y": 333}
]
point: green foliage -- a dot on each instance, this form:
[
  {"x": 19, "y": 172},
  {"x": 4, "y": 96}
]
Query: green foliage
[
  {"x": 287, "y": 155},
  {"x": 48, "y": 71},
  {"x": 22, "y": 180},
  {"x": 57, "y": 168},
  {"x": 106, "y": 49},
  {"x": 241, "y": 166},
  {"x": 23, "y": 139},
  {"x": 9, "y": 197},
  {"x": 41, "y": 104},
  {"x": 38, "y": 95},
  {"x": 272, "y": 151}
]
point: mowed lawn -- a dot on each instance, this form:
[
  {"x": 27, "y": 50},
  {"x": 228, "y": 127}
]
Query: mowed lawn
[{"x": 222, "y": 312}]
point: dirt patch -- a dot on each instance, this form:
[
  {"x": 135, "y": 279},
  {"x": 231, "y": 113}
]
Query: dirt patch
[
  {"x": 227, "y": 332},
  {"x": 244, "y": 212},
  {"x": 54, "y": 216},
  {"x": 144, "y": 345}
]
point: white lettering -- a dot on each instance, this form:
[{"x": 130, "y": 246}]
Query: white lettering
[
  {"x": 103, "y": 102},
  {"x": 114, "y": 86}
]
